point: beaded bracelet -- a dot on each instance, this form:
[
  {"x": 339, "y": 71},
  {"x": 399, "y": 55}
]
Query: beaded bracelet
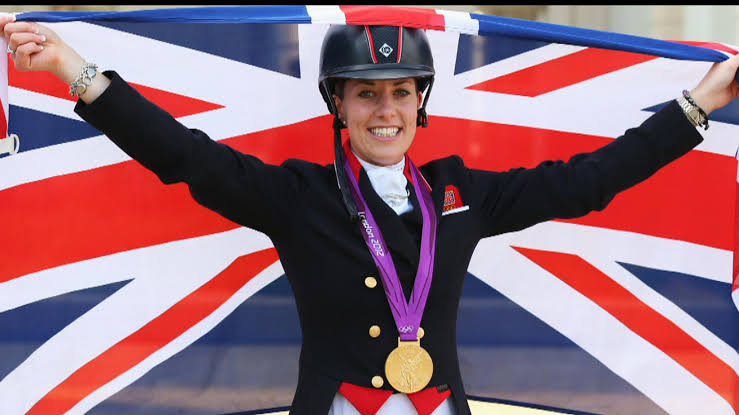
[{"x": 703, "y": 116}]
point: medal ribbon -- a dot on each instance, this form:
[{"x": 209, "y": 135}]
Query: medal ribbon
[{"x": 407, "y": 315}]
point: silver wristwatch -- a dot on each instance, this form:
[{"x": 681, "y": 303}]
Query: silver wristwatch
[{"x": 691, "y": 111}]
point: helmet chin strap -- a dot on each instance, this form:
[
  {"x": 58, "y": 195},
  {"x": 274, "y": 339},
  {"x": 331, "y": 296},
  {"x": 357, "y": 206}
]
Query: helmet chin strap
[
  {"x": 341, "y": 179},
  {"x": 423, "y": 118}
]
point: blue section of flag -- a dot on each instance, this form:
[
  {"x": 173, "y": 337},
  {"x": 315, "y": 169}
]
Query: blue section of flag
[
  {"x": 512, "y": 325},
  {"x": 550, "y": 32},
  {"x": 26, "y": 328},
  {"x": 254, "y": 349},
  {"x": 268, "y": 317},
  {"x": 707, "y": 301},
  {"x": 728, "y": 114},
  {"x": 142, "y": 407},
  {"x": 476, "y": 51},
  {"x": 276, "y": 50},
  {"x": 218, "y": 14},
  {"x": 528, "y": 405},
  {"x": 38, "y": 129}
]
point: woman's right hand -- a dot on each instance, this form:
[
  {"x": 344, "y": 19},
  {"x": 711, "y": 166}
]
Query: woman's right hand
[{"x": 38, "y": 48}]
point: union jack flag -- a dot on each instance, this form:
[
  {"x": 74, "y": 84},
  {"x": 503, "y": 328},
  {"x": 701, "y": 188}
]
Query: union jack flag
[{"x": 119, "y": 295}]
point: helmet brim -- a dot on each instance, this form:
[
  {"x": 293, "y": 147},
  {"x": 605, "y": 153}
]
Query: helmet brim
[{"x": 380, "y": 72}]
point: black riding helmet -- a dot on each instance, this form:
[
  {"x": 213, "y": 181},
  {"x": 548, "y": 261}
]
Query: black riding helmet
[
  {"x": 375, "y": 52},
  {"x": 371, "y": 52}
]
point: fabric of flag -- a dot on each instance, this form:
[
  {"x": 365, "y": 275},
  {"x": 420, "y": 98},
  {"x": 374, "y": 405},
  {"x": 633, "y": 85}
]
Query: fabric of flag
[{"x": 119, "y": 295}]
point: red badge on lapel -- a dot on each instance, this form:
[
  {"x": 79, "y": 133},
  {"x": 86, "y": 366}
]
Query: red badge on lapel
[
  {"x": 452, "y": 201},
  {"x": 451, "y": 198}
]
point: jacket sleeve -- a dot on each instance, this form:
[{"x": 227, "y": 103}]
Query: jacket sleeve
[
  {"x": 516, "y": 199},
  {"x": 238, "y": 186}
]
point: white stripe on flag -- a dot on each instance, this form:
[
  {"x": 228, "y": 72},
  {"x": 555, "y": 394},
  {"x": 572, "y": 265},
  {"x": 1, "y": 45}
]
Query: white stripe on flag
[
  {"x": 326, "y": 14},
  {"x": 647, "y": 368},
  {"x": 461, "y": 22},
  {"x": 163, "y": 275},
  {"x": 187, "y": 338},
  {"x": 607, "y": 247}
]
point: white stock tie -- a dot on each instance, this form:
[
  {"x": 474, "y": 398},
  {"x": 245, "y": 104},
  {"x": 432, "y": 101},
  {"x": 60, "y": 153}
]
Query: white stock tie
[{"x": 390, "y": 184}]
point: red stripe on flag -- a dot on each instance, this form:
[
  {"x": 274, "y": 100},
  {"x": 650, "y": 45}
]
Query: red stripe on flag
[
  {"x": 94, "y": 213},
  {"x": 561, "y": 72},
  {"x": 154, "y": 335},
  {"x": 175, "y": 104},
  {"x": 3, "y": 122},
  {"x": 690, "y": 199},
  {"x": 70, "y": 218},
  {"x": 710, "y": 45},
  {"x": 46, "y": 83},
  {"x": 640, "y": 318},
  {"x": 89, "y": 214},
  {"x": 394, "y": 16}
]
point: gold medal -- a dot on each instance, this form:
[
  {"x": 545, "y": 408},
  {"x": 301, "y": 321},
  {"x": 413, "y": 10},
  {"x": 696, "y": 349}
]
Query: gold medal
[{"x": 409, "y": 367}]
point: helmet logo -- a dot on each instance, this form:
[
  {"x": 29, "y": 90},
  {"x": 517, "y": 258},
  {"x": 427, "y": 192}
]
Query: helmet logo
[{"x": 385, "y": 49}]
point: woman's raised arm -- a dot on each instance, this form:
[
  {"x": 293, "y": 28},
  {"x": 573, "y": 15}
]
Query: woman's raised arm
[
  {"x": 238, "y": 186},
  {"x": 35, "y": 47}
]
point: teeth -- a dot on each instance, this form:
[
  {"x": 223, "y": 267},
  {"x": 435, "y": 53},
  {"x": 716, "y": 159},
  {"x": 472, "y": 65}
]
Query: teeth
[{"x": 385, "y": 132}]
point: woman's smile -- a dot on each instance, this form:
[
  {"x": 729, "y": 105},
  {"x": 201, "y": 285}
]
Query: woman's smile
[{"x": 385, "y": 133}]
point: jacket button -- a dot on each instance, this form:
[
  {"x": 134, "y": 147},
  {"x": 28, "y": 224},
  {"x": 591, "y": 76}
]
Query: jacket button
[
  {"x": 420, "y": 332},
  {"x": 374, "y": 331},
  {"x": 370, "y": 282},
  {"x": 377, "y": 381}
]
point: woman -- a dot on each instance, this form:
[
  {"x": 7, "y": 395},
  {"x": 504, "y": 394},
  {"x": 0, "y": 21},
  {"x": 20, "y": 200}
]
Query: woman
[{"x": 375, "y": 264}]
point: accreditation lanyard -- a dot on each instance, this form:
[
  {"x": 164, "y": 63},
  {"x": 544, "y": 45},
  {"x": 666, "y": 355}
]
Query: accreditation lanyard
[{"x": 407, "y": 315}]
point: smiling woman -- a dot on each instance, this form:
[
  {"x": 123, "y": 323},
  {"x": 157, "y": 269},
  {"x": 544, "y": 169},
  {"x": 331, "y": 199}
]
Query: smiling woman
[{"x": 376, "y": 264}]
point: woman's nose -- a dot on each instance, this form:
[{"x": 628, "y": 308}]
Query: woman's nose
[{"x": 385, "y": 105}]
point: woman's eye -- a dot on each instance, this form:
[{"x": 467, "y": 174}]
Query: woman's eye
[
  {"x": 366, "y": 94},
  {"x": 403, "y": 92}
]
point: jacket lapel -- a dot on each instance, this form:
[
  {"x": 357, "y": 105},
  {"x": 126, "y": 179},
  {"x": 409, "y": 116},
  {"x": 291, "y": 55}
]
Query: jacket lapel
[{"x": 437, "y": 196}]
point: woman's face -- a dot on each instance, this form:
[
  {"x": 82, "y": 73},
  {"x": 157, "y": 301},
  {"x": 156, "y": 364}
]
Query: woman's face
[{"x": 381, "y": 117}]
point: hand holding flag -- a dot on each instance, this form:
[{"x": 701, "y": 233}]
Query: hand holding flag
[
  {"x": 26, "y": 41},
  {"x": 718, "y": 88},
  {"x": 35, "y": 47}
]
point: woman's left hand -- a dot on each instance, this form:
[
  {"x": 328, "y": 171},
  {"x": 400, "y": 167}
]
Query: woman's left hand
[{"x": 719, "y": 86}]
